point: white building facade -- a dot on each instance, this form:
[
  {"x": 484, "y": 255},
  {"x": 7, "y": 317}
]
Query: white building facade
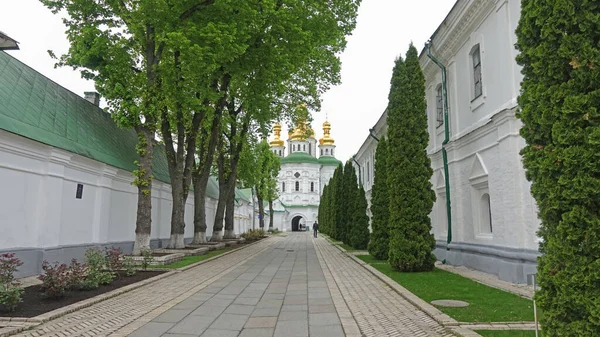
[
  {"x": 494, "y": 222},
  {"x": 303, "y": 175}
]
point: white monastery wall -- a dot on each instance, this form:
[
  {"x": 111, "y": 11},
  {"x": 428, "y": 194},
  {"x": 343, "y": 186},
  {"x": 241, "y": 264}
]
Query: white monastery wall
[{"x": 41, "y": 218}]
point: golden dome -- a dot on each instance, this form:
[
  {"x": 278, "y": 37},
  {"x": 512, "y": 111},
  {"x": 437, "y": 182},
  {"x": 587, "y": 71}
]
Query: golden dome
[
  {"x": 301, "y": 131},
  {"x": 326, "y": 140},
  {"x": 277, "y": 141}
]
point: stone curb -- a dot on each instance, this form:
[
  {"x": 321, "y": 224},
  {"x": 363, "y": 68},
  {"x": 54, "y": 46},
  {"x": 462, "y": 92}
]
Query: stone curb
[
  {"x": 427, "y": 308},
  {"x": 43, "y": 318}
]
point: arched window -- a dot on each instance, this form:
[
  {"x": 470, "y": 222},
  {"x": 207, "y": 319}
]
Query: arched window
[
  {"x": 477, "y": 80},
  {"x": 312, "y": 187},
  {"x": 439, "y": 106},
  {"x": 294, "y": 147},
  {"x": 326, "y": 151},
  {"x": 486, "y": 214},
  {"x": 279, "y": 152},
  {"x": 304, "y": 147},
  {"x": 309, "y": 149},
  {"x": 321, "y": 152},
  {"x": 297, "y": 186},
  {"x": 283, "y": 187}
]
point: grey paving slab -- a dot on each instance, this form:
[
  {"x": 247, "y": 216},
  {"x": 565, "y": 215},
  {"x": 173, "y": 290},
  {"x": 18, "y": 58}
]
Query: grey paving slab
[
  {"x": 266, "y": 312},
  {"x": 261, "y": 322},
  {"x": 172, "y": 316},
  {"x": 239, "y": 309},
  {"x": 230, "y": 322},
  {"x": 323, "y": 319},
  {"x": 219, "y": 333},
  {"x": 152, "y": 329},
  {"x": 291, "y": 329},
  {"x": 326, "y": 331},
  {"x": 293, "y": 316},
  {"x": 192, "y": 325},
  {"x": 259, "y": 332}
]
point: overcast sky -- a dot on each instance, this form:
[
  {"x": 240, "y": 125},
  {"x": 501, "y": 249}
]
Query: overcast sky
[{"x": 384, "y": 30}]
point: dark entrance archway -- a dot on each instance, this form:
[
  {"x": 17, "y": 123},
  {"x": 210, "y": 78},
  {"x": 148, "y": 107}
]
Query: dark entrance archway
[{"x": 296, "y": 223}]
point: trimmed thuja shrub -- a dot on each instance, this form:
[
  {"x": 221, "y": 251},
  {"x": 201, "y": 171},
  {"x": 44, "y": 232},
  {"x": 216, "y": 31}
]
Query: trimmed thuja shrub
[
  {"x": 560, "y": 111},
  {"x": 347, "y": 202},
  {"x": 359, "y": 231},
  {"x": 336, "y": 202},
  {"x": 411, "y": 196},
  {"x": 379, "y": 244}
]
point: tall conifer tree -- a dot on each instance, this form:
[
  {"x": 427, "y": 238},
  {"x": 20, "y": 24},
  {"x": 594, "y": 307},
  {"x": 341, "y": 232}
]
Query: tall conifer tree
[
  {"x": 411, "y": 195},
  {"x": 560, "y": 101},
  {"x": 379, "y": 244},
  {"x": 359, "y": 224},
  {"x": 346, "y": 202}
]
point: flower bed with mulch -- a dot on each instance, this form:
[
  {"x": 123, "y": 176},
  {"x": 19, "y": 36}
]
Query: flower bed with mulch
[{"x": 35, "y": 303}]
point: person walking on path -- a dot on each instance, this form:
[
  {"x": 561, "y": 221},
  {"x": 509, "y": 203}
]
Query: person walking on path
[{"x": 315, "y": 228}]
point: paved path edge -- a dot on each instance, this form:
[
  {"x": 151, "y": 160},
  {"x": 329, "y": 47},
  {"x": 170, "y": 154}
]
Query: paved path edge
[
  {"x": 57, "y": 313},
  {"x": 427, "y": 308}
]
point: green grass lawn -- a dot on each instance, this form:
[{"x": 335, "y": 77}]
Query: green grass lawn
[
  {"x": 186, "y": 261},
  {"x": 486, "y": 304},
  {"x": 507, "y": 333}
]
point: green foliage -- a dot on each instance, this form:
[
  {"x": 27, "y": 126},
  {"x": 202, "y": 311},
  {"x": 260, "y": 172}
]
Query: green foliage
[
  {"x": 76, "y": 275},
  {"x": 9, "y": 264},
  {"x": 129, "y": 266},
  {"x": 411, "y": 198},
  {"x": 379, "y": 244},
  {"x": 359, "y": 224},
  {"x": 338, "y": 204},
  {"x": 10, "y": 295},
  {"x": 345, "y": 203},
  {"x": 253, "y": 234},
  {"x": 146, "y": 258},
  {"x": 560, "y": 96},
  {"x": 96, "y": 272}
]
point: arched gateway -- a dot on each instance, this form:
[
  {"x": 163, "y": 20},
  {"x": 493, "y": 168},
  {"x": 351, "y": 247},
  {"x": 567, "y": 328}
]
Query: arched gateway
[{"x": 297, "y": 223}]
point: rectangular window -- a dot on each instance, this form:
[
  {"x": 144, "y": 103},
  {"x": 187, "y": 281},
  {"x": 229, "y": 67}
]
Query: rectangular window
[
  {"x": 312, "y": 187},
  {"x": 477, "y": 81},
  {"x": 282, "y": 187},
  {"x": 439, "y": 106},
  {"x": 297, "y": 186}
]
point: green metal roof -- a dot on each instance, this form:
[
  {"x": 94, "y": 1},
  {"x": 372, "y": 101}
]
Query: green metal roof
[
  {"x": 299, "y": 157},
  {"x": 245, "y": 194},
  {"x": 34, "y": 107},
  {"x": 329, "y": 161}
]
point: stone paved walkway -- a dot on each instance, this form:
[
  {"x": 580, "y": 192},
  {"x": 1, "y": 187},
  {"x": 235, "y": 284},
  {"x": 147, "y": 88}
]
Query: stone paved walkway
[{"x": 292, "y": 286}]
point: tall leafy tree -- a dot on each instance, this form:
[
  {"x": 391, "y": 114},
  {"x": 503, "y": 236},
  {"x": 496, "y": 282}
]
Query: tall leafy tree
[
  {"x": 323, "y": 209},
  {"x": 411, "y": 198},
  {"x": 379, "y": 244},
  {"x": 559, "y": 101},
  {"x": 359, "y": 225},
  {"x": 121, "y": 45},
  {"x": 346, "y": 203}
]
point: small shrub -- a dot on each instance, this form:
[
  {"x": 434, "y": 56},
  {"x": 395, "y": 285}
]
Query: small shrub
[
  {"x": 9, "y": 264},
  {"x": 96, "y": 272},
  {"x": 55, "y": 280},
  {"x": 147, "y": 254},
  {"x": 129, "y": 266},
  {"x": 253, "y": 234},
  {"x": 113, "y": 258},
  {"x": 77, "y": 275},
  {"x": 10, "y": 295}
]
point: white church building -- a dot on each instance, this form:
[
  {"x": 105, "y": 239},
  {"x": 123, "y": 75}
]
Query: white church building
[
  {"x": 493, "y": 219},
  {"x": 303, "y": 175}
]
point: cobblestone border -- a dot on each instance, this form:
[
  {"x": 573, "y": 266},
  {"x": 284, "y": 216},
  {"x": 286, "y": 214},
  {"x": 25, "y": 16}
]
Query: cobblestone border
[{"x": 14, "y": 325}]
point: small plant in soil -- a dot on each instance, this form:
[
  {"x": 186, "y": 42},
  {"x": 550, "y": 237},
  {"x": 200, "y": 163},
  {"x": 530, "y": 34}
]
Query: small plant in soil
[
  {"x": 77, "y": 275},
  {"x": 129, "y": 266},
  {"x": 55, "y": 280},
  {"x": 147, "y": 255},
  {"x": 10, "y": 292},
  {"x": 113, "y": 258},
  {"x": 10, "y": 295},
  {"x": 96, "y": 272}
]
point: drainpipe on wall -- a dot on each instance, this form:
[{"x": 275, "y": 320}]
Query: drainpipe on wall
[
  {"x": 359, "y": 171},
  {"x": 446, "y": 140},
  {"x": 372, "y": 135}
]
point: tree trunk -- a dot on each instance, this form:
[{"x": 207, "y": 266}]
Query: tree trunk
[
  {"x": 143, "y": 224},
  {"x": 199, "y": 209},
  {"x": 271, "y": 215},
  {"x": 217, "y": 235},
  {"x": 261, "y": 210},
  {"x": 230, "y": 211},
  {"x": 177, "y": 218}
]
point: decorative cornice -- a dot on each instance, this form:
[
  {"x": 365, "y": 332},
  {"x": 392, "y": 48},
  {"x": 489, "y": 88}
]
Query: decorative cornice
[{"x": 454, "y": 31}]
